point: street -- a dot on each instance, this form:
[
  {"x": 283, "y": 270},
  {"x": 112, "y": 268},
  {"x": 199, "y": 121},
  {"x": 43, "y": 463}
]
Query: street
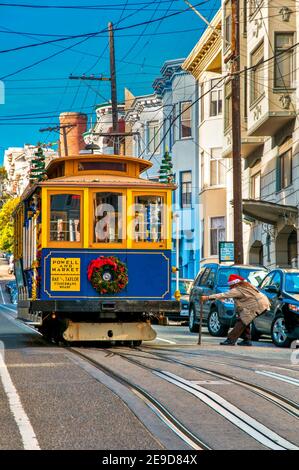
[{"x": 169, "y": 393}]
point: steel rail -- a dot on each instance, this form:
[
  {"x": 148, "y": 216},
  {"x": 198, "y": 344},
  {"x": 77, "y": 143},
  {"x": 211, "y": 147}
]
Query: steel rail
[
  {"x": 160, "y": 410},
  {"x": 235, "y": 416},
  {"x": 276, "y": 398}
]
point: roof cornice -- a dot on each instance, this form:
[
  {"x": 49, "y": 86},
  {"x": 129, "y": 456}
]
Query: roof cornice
[{"x": 207, "y": 48}]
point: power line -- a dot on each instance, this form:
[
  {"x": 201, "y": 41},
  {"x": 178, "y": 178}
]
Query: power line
[
  {"x": 42, "y": 60},
  {"x": 162, "y": 33},
  {"x": 96, "y": 33},
  {"x": 142, "y": 32},
  {"x": 51, "y": 114},
  {"x": 216, "y": 85},
  {"x": 78, "y": 7}
]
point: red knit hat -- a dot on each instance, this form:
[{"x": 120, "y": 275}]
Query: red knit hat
[{"x": 235, "y": 279}]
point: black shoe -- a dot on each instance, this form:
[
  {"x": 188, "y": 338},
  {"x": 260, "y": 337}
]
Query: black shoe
[
  {"x": 245, "y": 342},
  {"x": 227, "y": 342}
]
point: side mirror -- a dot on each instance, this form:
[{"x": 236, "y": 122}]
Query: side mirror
[{"x": 272, "y": 289}]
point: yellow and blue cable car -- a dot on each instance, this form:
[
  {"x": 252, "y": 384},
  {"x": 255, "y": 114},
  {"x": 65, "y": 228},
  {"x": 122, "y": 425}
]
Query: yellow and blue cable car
[{"x": 93, "y": 250}]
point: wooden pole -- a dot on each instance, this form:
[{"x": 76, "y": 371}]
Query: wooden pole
[
  {"x": 236, "y": 135},
  {"x": 113, "y": 88},
  {"x": 200, "y": 322}
]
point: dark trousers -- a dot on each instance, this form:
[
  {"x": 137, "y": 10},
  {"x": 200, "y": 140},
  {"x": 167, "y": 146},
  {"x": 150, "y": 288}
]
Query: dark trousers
[{"x": 240, "y": 331}]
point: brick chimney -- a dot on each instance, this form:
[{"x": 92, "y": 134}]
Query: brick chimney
[{"x": 72, "y": 137}]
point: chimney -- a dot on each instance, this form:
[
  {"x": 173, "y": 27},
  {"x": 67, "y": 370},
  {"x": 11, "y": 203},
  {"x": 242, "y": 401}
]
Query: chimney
[{"x": 73, "y": 126}]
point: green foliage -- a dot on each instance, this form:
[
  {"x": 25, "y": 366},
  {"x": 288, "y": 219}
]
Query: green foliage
[
  {"x": 6, "y": 225},
  {"x": 3, "y": 174},
  {"x": 165, "y": 172},
  {"x": 38, "y": 167}
]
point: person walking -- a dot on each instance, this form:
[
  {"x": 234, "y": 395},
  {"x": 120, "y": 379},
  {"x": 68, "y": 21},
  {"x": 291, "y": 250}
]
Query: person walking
[{"x": 250, "y": 303}]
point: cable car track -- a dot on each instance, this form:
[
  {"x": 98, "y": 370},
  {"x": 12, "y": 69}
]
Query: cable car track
[
  {"x": 287, "y": 405},
  {"x": 160, "y": 410},
  {"x": 256, "y": 430},
  {"x": 206, "y": 354}
]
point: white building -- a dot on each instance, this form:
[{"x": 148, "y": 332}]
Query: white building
[
  {"x": 144, "y": 121},
  {"x": 17, "y": 162},
  {"x": 98, "y": 135}
]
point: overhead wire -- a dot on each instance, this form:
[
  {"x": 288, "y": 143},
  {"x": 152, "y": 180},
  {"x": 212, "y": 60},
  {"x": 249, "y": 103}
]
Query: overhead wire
[
  {"x": 96, "y": 33},
  {"x": 204, "y": 94},
  {"x": 78, "y": 7}
]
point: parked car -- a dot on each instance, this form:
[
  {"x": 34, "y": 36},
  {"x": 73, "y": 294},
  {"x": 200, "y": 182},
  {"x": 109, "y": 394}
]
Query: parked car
[
  {"x": 184, "y": 288},
  {"x": 219, "y": 315},
  {"x": 281, "y": 322}
]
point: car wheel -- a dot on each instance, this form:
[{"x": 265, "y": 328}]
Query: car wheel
[
  {"x": 279, "y": 332},
  {"x": 193, "y": 327},
  {"x": 214, "y": 324},
  {"x": 255, "y": 334}
]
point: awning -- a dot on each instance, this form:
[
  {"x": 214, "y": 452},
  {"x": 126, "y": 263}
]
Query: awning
[{"x": 267, "y": 212}]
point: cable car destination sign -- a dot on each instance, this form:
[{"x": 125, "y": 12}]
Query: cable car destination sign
[
  {"x": 226, "y": 252},
  {"x": 65, "y": 274}
]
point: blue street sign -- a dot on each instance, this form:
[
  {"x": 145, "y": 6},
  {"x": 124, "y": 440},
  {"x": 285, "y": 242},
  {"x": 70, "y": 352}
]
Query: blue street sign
[{"x": 226, "y": 252}]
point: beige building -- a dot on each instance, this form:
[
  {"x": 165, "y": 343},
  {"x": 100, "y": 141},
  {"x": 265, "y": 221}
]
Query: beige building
[{"x": 269, "y": 129}]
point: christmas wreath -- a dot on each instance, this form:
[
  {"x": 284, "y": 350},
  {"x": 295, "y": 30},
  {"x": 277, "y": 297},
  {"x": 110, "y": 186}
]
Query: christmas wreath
[{"x": 107, "y": 275}]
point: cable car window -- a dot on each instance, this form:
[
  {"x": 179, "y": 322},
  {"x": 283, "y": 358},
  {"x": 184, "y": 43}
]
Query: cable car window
[
  {"x": 148, "y": 219},
  {"x": 65, "y": 217},
  {"x": 107, "y": 166},
  {"x": 108, "y": 217}
]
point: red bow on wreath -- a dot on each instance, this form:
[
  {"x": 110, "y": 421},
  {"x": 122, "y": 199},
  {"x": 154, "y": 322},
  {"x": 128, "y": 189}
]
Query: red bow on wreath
[{"x": 99, "y": 263}]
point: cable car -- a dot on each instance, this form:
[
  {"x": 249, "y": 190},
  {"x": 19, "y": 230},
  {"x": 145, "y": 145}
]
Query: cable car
[{"x": 93, "y": 250}]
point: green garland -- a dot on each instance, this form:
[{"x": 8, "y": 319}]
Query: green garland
[{"x": 108, "y": 275}]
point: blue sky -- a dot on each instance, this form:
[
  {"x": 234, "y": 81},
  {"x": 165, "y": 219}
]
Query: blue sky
[{"x": 45, "y": 88}]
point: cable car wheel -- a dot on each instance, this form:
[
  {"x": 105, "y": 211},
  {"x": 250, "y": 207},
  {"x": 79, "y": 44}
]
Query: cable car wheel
[{"x": 52, "y": 329}]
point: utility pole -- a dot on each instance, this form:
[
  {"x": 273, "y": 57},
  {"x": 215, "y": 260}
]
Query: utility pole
[
  {"x": 236, "y": 133},
  {"x": 113, "y": 88},
  {"x": 64, "y": 133},
  {"x": 115, "y": 130}
]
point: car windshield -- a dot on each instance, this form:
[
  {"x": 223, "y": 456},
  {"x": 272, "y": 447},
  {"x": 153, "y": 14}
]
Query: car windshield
[
  {"x": 292, "y": 283},
  {"x": 184, "y": 286},
  {"x": 254, "y": 276}
]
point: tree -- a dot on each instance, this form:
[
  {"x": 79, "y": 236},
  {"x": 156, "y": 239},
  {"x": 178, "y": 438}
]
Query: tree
[
  {"x": 6, "y": 224},
  {"x": 3, "y": 178},
  {"x": 3, "y": 174},
  {"x": 166, "y": 172},
  {"x": 38, "y": 167}
]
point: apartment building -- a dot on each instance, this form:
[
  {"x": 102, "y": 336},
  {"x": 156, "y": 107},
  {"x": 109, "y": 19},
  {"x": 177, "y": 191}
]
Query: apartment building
[
  {"x": 97, "y": 138},
  {"x": 178, "y": 92},
  {"x": 17, "y": 163},
  {"x": 144, "y": 124},
  {"x": 205, "y": 64},
  {"x": 269, "y": 105}
]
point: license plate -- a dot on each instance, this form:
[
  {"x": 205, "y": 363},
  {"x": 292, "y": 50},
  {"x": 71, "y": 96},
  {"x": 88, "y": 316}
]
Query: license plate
[{"x": 184, "y": 313}]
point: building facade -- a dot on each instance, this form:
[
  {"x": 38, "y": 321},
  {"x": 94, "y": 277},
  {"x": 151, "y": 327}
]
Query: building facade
[
  {"x": 17, "y": 162},
  {"x": 205, "y": 64},
  {"x": 269, "y": 110},
  {"x": 178, "y": 92},
  {"x": 97, "y": 138},
  {"x": 144, "y": 124}
]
